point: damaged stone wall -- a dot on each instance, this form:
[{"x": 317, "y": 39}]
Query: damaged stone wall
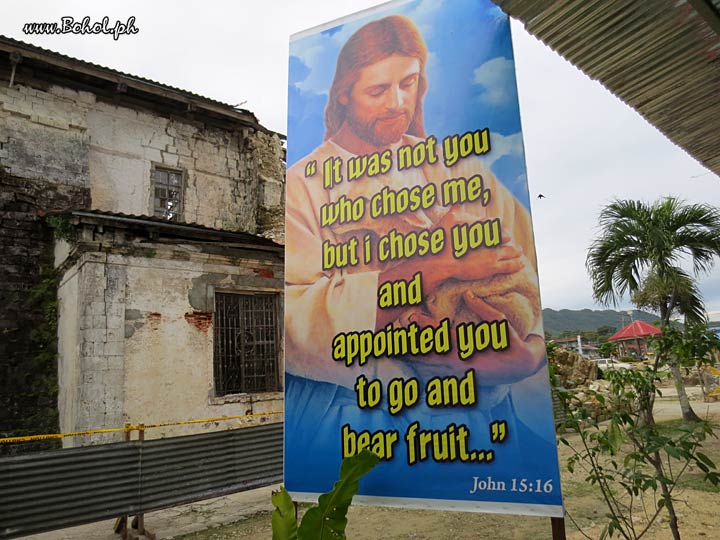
[
  {"x": 145, "y": 338},
  {"x": 271, "y": 171},
  {"x": 26, "y": 245},
  {"x": 233, "y": 179},
  {"x": 62, "y": 148}
]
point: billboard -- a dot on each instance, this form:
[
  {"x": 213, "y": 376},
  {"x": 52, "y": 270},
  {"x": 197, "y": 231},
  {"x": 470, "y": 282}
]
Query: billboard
[{"x": 412, "y": 311}]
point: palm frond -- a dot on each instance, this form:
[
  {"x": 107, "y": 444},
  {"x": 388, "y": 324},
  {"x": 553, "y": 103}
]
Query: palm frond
[{"x": 637, "y": 241}]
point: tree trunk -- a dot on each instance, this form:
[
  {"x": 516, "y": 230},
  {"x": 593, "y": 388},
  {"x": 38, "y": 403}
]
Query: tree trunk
[
  {"x": 674, "y": 527},
  {"x": 688, "y": 413}
]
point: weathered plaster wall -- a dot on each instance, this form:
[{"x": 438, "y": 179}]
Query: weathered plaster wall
[
  {"x": 69, "y": 378},
  {"x": 94, "y": 361},
  {"x": 233, "y": 179},
  {"x": 146, "y": 343},
  {"x": 169, "y": 340},
  {"x": 44, "y": 135}
]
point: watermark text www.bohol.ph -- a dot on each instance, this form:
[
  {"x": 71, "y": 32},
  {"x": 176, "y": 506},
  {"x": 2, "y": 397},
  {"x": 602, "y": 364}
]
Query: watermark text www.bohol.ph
[{"x": 68, "y": 25}]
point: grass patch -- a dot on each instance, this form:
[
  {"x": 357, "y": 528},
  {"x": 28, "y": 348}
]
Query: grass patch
[
  {"x": 578, "y": 488},
  {"x": 696, "y": 480}
]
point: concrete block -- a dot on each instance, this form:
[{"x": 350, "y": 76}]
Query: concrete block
[
  {"x": 169, "y": 159},
  {"x": 94, "y": 364},
  {"x": 182, "y": 148},
  {"x": 86, "y": 322},
  {"x": 49, "y": 121},
  {"x": 86, "y": 98},
  {"x": 95, "y": 335},
  {"x": 22, "y": 108},
  {"x": 92, "y": 377},
  {"x": 92, "y": 418},
  {"x": 116, "y": 309},
  {"x": 63, "y": 92},
  {"x": 114, "y": 348},
  {"x": 115, "y": 324},
  {"x": 113, "y": 379},
  {"x": 152, "y": 154},
  {"x": 117, "y": 112},
  {"x": 98, "y": 308},
  {"x": 92, "y": 393},
  {"x": 116, "y": 362},
  {"x": 187, "y": 163},
  {"x": 271, "y": 195},
  {"x": 11, "y": 92},
  {"x": 159, "y": 139},
  {"x": 77, "y": 122}
]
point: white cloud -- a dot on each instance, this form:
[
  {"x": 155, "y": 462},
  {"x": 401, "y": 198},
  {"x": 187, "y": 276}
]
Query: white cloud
[
  {"x": 502, "y": 145},
  {"x": 315, "y": 55},
  {"x": 425, "y": 14},
  {"x": 496, "y": 77},
  {"x": 319, "y": 52}
]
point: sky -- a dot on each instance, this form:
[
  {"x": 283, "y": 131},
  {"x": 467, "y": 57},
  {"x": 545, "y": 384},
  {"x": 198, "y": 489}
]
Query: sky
[{"x": 583, "y": 147}]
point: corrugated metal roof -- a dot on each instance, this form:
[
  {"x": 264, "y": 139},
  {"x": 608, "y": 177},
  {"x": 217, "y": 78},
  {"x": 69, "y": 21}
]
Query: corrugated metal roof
[
  {"x": 661, "y": 57},
  {"x": 48, "y": 52},
  {"x": 635, "y": 329},
  {"x": 178, "y": 227}
]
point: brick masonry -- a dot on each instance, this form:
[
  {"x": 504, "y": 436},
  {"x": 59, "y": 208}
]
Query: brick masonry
[{"x": 27, "y": 245}]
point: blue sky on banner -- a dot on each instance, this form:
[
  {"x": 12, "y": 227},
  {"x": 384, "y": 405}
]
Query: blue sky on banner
[{"x": 465, "y": 91}]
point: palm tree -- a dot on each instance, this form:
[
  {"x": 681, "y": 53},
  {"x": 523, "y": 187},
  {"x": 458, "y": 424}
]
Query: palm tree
[
  {"x": 643, "y": 244},
  {"x": 676, "y": 291}
]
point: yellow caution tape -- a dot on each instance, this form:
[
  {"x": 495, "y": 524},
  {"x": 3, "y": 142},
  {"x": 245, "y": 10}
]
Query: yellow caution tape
[
  {"x": 714, "y": 393},
  {"x": 713, "y": 370},
  {"x": 202, "y": 421},
  {"x": 128, "y": 427},
  {"x": 48, "y": 436}
]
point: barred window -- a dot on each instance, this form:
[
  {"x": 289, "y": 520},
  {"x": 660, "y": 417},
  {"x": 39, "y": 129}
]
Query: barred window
[
  {"x": 167, "y": 186},
  {"x": 247, "y": 338}
]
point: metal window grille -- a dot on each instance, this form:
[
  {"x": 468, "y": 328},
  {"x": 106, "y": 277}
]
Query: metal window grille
[
  {"x": 246, "y": 348},
  {"x": 168, "y": 193}
]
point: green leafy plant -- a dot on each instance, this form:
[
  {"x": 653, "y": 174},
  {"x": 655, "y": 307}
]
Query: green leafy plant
[
  {"x": 638, "y": 252},
  {"x": 636, "y": 464},
  {"x": 62, "y": 227},
  {"x": 551, "y": 348},
  {"x": 608, "y": 349},
  {"x": 327, "y": 520}
]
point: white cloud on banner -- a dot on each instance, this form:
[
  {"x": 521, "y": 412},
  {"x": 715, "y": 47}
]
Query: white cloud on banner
[
  {"x": 496, "y": 78},
  {"x": 504, "y": 145},
  {"x": 319, "y": 52}
]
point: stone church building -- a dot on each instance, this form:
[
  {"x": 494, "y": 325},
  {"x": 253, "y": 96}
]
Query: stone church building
[{"x": 161, "y": 212}]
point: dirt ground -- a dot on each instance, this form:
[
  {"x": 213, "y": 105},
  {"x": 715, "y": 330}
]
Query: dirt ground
[{"x": 697, "y": 511}]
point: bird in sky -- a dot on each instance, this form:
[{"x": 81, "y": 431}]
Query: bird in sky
[{"x": 541, "y": 196}]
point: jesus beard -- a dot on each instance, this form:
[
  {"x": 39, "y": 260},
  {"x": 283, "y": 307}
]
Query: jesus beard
[{"x": 383, "y": 130}]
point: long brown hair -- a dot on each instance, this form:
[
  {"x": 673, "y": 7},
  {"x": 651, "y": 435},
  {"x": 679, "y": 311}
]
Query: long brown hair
[{"x": 374, "y": 42}]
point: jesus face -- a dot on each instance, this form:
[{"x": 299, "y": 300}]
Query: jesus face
[{"x": 381, "y": 104}]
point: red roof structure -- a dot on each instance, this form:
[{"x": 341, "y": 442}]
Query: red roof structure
[{"x": 634, "y": 330}]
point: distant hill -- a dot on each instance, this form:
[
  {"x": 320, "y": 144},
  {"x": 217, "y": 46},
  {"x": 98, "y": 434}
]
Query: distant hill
[{"x": 557, "y": 322}]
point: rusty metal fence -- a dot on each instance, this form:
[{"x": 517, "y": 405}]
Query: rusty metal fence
[{"x": 51, "y": 490}]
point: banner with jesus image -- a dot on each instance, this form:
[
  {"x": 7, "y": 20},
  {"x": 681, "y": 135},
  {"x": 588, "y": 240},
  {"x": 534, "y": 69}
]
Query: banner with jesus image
[{"x": 412, "y": 311}]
